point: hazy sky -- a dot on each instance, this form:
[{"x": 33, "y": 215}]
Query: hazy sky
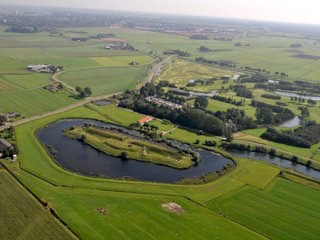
[{"x": 306, "y": 11}]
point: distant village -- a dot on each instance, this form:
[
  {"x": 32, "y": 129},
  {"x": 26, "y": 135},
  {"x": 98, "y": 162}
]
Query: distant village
[{"x": 120, "y": 46}]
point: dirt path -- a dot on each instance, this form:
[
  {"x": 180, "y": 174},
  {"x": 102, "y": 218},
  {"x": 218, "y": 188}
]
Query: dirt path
[{"x": 169, "y": 131}]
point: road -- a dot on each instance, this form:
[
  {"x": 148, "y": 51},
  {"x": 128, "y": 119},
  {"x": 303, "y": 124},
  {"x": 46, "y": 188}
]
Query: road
[
  {"x": 155, "y": 67},
  {"x": 79, "y": 103},
  {"x": 72, "y": 106}
]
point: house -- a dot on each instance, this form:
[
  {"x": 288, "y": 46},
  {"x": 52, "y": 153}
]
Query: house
[
  {"x": 144, "y": 120},
  {"x": 13, "y": 115},
  {"x": 5, "y": 147}
]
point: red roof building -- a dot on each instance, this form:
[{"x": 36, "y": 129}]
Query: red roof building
[{"x": 144, "y": 120}]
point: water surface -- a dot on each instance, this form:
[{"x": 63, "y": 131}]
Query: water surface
[
  {"x": 291, "y": 94},
  {"x": 278, "y": 161},
  {"x": 294, "y": 122},
  {"x": 78, "y": 157}
]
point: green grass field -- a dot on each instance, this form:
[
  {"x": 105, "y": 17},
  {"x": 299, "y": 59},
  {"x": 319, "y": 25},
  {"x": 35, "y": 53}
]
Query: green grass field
[
  {"x": 34, "y": 102},
  {"x": 250, "y": 202},
  {"x": 25, "y": 81},
  {"x": 105, "y": 80},
  {"x": 180, "y": 72},
  {"x": 22, "y": 217},
  {"x": 122, "y": 60},
  {"x": 88, "y": 223},
  {"x": 21, "y": 90},
  {"x": 286, "y": 210}
]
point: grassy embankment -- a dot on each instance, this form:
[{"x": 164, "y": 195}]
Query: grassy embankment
[{"x": 138, "y": 149}]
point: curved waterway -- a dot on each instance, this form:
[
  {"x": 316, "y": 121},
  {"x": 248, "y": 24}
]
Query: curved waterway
[
  {"x": 278, "y": 161},
  {"x": 81, "y": 158},
  {"x": 291, "y": 94}
]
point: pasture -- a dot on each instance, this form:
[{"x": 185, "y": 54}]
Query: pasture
[
  {"x": 250, "y": 202},
  {"x": 105, "y": 80},
  {"x": 122, "y": 60},
  {"x": 22, "y": 217},
  {"x": 24, "y": 81},
  {"x": 34, "y": 101},
  {"x": 150, "y": 195},
  {"x": 285, "y": 210},
  {"x": 22, "y": 91}
]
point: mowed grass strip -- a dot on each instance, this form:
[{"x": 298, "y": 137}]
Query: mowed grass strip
[
  {"x": 22, "y": 217},
  {"x": 287, "y": 211},
  {"x": 104, "y": 80},
  {"x": 7, "y": 86},
  {"x": 29, "y": 80}
]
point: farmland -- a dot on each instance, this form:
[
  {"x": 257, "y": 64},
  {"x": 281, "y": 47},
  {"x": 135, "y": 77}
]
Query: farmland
[
  {"x": 86, "y": 64},
  {"x": 248, "y": 199},
  {"x": 23, "y": 217},
  {"x": 49, "y": 172},
  {"x": 283, "y": 211},
  {"x": 78, "y": 190},
  {"x": 104, "y": 81}
]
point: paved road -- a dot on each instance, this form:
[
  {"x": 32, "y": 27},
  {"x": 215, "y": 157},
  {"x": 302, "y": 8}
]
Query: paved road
[{"x": 79, "y": 103}]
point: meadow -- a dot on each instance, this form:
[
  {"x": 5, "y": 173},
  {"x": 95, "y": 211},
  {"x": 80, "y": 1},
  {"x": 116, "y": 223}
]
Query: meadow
[
  {"x": 22, "y": 217},
  {"x": 104, "y": 81},
  {"x": 94, "y": 208},
  {"x": 272, "y": 53},
  {"x": 74, "y": 190},
  {"x": 34, "y": 102},
  {"x": 22, "y": 91},
  {"x": 87, "y": 195},
  {"x": 285, "y": 210}
]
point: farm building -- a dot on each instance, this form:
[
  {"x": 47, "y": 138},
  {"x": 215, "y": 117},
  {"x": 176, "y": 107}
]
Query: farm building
[
  {"x": 145, "y": 120},
  {"x": 12, "y": 115},
  {"x": 5, "y": 147},
  {"x": 44, "y": 68}
]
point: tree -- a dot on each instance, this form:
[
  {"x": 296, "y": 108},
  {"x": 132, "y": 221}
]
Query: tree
[
  {"x": 88, "y": 91},
  {"x": 304, "y": 112},
  {"x": 78, "y": 89},
  {"x": 201, "y": 102},
  {"x": 264, "y": 115},
  {"x": 3, "y": 119},
  {"x": 124, "y": 155},
  {"x": 312, "y": 102}
]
